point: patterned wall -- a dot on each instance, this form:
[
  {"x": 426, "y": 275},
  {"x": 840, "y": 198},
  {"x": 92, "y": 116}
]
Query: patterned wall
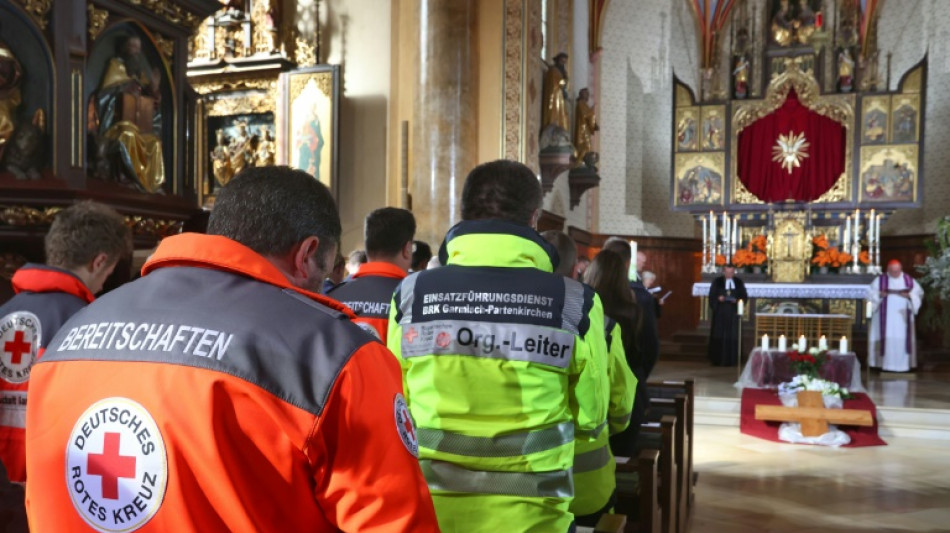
[{"x": 644, "y": 43}]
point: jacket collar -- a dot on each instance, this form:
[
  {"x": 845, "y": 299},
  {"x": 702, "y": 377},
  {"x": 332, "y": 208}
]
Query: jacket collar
[
  {"x": 43, "y": 278},
  {"x": 380, "y": 269},
  {"x": 220, "y": 253},
  {"x": 516, "y": 246}
]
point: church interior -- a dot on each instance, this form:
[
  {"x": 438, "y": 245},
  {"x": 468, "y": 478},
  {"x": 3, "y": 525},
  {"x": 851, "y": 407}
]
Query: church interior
[{"x": 801, "y": 143}]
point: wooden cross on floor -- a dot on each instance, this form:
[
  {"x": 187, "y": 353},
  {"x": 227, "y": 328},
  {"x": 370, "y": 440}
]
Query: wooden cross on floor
[{"x": 813, "y": 416}]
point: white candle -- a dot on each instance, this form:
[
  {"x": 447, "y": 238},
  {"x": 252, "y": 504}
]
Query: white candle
[
  {"x": 713, "y": 237},
  {"x": 871, "y": 227},
  {"x": 735, "y": 233},
  {"x": 843, "y": 345},
  {"x": 765, "y": 342},
  {"x": 856, "y": 237},
  {"x": 725, "y": 227},
  {"x": 868, "y": 310},
  {"x": 782, "y": 346},
  {"x": 822, "y": 343},
  {"x": 633, "y": 274},
  {"x": 741, "y": 307},
  {"x": 847, "y": 234},
  {"x": 705, "y": 240},
  {"x": 802, "y": 344}
]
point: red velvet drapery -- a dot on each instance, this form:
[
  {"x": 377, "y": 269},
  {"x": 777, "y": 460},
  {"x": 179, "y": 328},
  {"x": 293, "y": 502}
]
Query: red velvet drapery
[{"x": 818, "y": 172}]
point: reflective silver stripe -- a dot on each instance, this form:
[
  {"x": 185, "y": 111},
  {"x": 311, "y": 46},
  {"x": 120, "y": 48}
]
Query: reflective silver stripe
[
  {"x": 514, "y": 342},
  {"x": 407, "y": 291},
  {"x": 446, "y": 476},
  {"x": 592, "y": 460},
  {"x": 573, "y": 306},
  {"x": 592, "y": 434},
  {"x": 514, "y": 444}
]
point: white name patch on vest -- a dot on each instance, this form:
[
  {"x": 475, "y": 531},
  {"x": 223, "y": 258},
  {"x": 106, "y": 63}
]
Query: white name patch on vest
[
  {"x": 20, "y": 338},
  {"x": 116, "y": 466}
]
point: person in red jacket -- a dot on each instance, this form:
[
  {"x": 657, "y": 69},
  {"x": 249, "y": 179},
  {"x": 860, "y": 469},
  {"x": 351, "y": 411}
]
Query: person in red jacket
[
  {"x": 220, "y": 392},
  {"x": 83, "y": 245},
  {"x": 388, "y": 234}
]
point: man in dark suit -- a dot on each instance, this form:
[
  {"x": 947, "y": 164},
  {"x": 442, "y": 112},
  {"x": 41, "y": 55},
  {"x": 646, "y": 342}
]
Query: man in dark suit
[{"x": 724, "y": 295}]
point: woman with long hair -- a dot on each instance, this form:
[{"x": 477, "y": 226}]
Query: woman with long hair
[{"x": 607, "y": 274}]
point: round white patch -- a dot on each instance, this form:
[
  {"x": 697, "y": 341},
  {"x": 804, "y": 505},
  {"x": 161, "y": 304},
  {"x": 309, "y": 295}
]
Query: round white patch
[
  {"x": 405, "y": 425},
  {"x": 116, "y": 467},
  {"x": 20, "y": 338}
]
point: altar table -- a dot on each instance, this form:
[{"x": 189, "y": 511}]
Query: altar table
[{"x": 767, "y": 369}]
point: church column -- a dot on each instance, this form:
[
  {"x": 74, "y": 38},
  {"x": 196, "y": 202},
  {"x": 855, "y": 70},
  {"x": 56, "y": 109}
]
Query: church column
[{"x": 444, "y": 126}]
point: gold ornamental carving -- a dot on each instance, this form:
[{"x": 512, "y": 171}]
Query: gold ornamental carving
[
  {"x": 38, "y": 10},
  {"x": 168, "y": 10},
  {"x": 306, "y": 53},
  {"x": 97, "y": 21},
  {"x": 153, "y": 227},
  {"x": 514, "y": 43},
  {"x": 743, "y": 196},
  {"x": 233, "y": 98},
  {"x": 165, "y": 46},
  {"x": 324, "y": 81},
  {"x": 21, "y": 215}
]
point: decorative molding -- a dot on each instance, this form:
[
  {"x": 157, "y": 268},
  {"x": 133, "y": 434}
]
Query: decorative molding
[
  {"x": 26, "y": 216},
  {"x": 244, "y": 96},
  {"x": 170, "y": 11},
  {"x": 165, "y": 46},
  {"x": 38, "y": 10},
  {"x": 845, "y": 291},
  {"x": 153, "y": 227},
  {"x": 21, "y": 215},
  {"x": 306, "y": 53},
  {"x": 324, "y": 81},
  {"x": 215, "y": 86},
  {"x": 514, "y": 29},
  {"x": 97, "y": 21}
]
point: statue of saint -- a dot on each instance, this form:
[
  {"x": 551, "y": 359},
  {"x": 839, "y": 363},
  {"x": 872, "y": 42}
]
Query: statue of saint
[
  {"x": 555, "y": 95},
  {"x": 266, "y": 149},
  {"x": 804, "y": 22},
  {"x": 783, "y": 31},
  {"x": 845, "y": 71},
  {"x": 241, "y": 148},
  {"x": 127, "y": 118},
  {"x": 741, "y": 76},
  {"x": 10, "y": 99},
  {"x": 585, "y": 124},
  {"x": 221, "y": 160}
]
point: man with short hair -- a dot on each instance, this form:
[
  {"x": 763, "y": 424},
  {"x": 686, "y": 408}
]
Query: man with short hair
[
  {"x": 502, "y": 361},
  {"x": 421, "y": 255},
  {"x": 220, "y": 392},
  {"x": 724, "y": 295},
  {"x": 388, "y": 234},
  {"x": 335, "y": 276},
  {"x": 83, "y": 245},
  {"x": 354, "y": 261}
]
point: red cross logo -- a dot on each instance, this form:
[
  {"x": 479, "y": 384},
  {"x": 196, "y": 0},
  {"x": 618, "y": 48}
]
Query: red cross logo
[
  {"x": 407, "y": 425},
  {"x": 443, "y": 339},
  {"x": 411, "y": 335},
  {"x": 17, "y": 347},
  {"x": 111, "y": 466}
]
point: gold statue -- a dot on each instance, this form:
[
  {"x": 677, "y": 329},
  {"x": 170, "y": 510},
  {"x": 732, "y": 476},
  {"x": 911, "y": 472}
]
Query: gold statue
[
  {"x": 805, "y": 22},
  {"x": 585, "y": 124},
  {"x": 10, "y": 99},
  {"x": 266, "y": 149},
  {"x": 783, "y": 30},
  {"x": 241, "y": 148},
  {"x": 221, "y": 161},
  {"x": 127, "y": 118},
  {"x": 555, "y": 95}
]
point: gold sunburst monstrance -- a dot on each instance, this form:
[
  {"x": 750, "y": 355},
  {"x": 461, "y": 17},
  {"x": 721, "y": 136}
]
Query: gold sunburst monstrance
[{"x": 790, "y": 149}]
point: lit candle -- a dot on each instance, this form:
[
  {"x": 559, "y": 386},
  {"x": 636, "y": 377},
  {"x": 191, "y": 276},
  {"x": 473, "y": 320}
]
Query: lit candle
[
  {"x": 782, "y": 346},
  {"x": 741, "y": 307},
  {"x": 847, "y": 234},
  {"x": 868, "y": 310},
  {"x": 822, "y": 343},
  {"x": 843, "y": 345},
  {"x": 765, "y": 342},
  {"x": 705, "y": 240},
  {"x": 802, "y": 344}
]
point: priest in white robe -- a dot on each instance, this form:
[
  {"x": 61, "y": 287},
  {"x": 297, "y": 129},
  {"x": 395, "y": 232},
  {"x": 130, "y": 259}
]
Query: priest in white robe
[{"x": 895, "y": 298}]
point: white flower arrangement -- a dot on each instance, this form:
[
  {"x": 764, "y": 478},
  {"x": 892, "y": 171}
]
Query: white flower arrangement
[{"x": 803, "y": 382}]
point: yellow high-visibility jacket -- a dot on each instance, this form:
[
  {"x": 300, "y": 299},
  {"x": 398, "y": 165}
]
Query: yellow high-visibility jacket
[{"x": 502, "y": 362}]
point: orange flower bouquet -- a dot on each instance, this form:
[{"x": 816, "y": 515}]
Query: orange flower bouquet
[
  {"x": 720, "y": 260},
  {"x": 753, "y": 255},
  {"x": 820, "y": 242},
  {"x": 831, "y": 258},
  {"x": 864, "y": 258}
]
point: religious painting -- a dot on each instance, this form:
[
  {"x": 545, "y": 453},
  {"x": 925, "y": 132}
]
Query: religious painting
[
  {"x": 312, "y": 116},
  {"x": 874, "y": 121},
  {"x": 687, "y": 129},
  {"x": 889, "y": 174},
  {"x": 699, "y": 179},
  {"x": 237, "y": 142},
  {"x": 904, "y": 112},
  {"x": 714, "y": 130}
]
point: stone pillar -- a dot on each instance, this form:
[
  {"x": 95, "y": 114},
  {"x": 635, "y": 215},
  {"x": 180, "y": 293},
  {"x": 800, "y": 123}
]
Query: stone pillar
[{"x": 444, "y": 125}]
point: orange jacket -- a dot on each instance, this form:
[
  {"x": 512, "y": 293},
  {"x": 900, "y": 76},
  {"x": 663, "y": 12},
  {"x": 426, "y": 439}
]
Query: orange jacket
[
  {"x": 46, "y": 297},
  {"x": 369, "y": 294},
  {"x": 210, "y": 395}
]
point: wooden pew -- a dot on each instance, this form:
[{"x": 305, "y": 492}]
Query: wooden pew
[
  {"x": 677, "y": 407},
  {"x": 669, "y": 389},
  {"x": 637, "y": 492},
  {"x": 608, "y": 523},
  {"x": 662, "y": 435}
]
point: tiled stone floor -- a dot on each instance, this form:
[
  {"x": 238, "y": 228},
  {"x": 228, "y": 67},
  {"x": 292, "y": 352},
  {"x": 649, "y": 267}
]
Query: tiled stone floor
[{"x": 748, "y": 485}]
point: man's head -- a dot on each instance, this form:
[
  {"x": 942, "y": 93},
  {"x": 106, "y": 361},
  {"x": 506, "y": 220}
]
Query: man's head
[
  {"x": 620, "y": 247},
  {"x": 560, "y": 59},
  {"x": 388, "y": 234},
  {"x": 339, "y": 269},
  {"x": 503, "y": 190},
  {"x": 354, "y": 261},
  {"x": 583, "y": 95},
  {"x": 284, "y": 215},
  {"x": 649, "y": 278},
  {"x": 421, "y": 254},
  {"x": 566, "y": 250},
  {"x": 729, "y": 271},
  {"x": 129, "y": 49},
  {"x": 641, "y": 261},
  {"x": 894, "y": 268},
  {"x": 88, "y": 239}
]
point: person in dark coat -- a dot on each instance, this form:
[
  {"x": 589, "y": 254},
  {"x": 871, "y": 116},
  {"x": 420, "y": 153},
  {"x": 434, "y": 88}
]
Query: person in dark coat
[{"x": 724, "y": 295}]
